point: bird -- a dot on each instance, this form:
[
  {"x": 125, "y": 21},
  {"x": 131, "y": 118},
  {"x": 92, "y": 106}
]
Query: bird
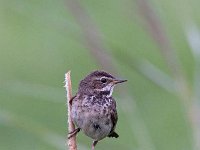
[{"x": 93, "y": 109}]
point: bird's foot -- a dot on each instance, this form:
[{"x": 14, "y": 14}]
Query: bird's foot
[{"x": 73, "y": 133}]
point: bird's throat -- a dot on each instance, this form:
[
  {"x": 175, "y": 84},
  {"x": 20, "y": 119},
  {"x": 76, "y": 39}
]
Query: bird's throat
[{"x": 107, "y": 92}]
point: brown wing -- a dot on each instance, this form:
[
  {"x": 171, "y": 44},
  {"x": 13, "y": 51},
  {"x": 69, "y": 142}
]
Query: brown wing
[{"x": 114, "y": 119}]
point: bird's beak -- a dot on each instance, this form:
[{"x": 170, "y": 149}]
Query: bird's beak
[{"x": 116, "y": 81}]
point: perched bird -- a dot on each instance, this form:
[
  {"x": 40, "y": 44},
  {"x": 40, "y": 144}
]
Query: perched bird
[{"x": 93, "y": 107}]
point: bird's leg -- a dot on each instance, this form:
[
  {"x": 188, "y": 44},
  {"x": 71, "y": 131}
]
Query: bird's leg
[
  {"x": 93, "y": 144},
  {"x": 74, "y": 132}
]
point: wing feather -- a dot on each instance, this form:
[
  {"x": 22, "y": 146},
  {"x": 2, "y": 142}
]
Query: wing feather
[{"x": 114, "y": 119}]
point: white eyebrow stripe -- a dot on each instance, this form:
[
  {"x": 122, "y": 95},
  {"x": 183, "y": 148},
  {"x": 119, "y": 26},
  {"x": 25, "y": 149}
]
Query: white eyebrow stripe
[{"x": 106, "y": 78}]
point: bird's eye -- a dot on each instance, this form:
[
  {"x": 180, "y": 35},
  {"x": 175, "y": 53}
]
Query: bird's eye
[{"x": 103, "y": 80}]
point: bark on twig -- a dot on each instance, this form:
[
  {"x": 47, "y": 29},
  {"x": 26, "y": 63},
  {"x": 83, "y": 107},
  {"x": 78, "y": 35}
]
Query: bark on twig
[{"x": 71, "y": 127}]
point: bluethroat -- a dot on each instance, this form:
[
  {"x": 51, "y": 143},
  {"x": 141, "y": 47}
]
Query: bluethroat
[{"x": 93, "y": 107}]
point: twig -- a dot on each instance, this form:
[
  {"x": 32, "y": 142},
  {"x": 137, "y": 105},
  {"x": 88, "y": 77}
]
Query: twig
[{"x": 71, "y": 127}]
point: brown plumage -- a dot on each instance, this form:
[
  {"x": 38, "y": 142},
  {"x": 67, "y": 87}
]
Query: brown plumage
[{"x": 93, "y": 107}]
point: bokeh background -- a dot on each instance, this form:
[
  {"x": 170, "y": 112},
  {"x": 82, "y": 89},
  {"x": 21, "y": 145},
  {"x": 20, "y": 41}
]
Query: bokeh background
[{"x": 155, "y": 44}]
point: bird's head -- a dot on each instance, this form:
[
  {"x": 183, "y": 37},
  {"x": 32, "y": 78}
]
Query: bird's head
[{"x": 99, "y": 82}]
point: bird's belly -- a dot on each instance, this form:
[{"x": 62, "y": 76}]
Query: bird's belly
[
  {"x": 94, "y": 123},
  {"x": 96, "y": 126}
]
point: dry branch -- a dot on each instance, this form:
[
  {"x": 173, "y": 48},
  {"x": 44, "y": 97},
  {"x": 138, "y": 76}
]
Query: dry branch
[{"x": 68, "y": 87}]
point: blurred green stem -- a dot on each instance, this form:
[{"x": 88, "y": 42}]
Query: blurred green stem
[
  {"x": 193, "y": 37},
  {"x": 156, "y": 30},
  {"x": 48, "y": 136},
  {"x": 92, "y": 36}
]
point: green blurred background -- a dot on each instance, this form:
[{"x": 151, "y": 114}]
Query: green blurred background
[{"x": 154, "y": 44}]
